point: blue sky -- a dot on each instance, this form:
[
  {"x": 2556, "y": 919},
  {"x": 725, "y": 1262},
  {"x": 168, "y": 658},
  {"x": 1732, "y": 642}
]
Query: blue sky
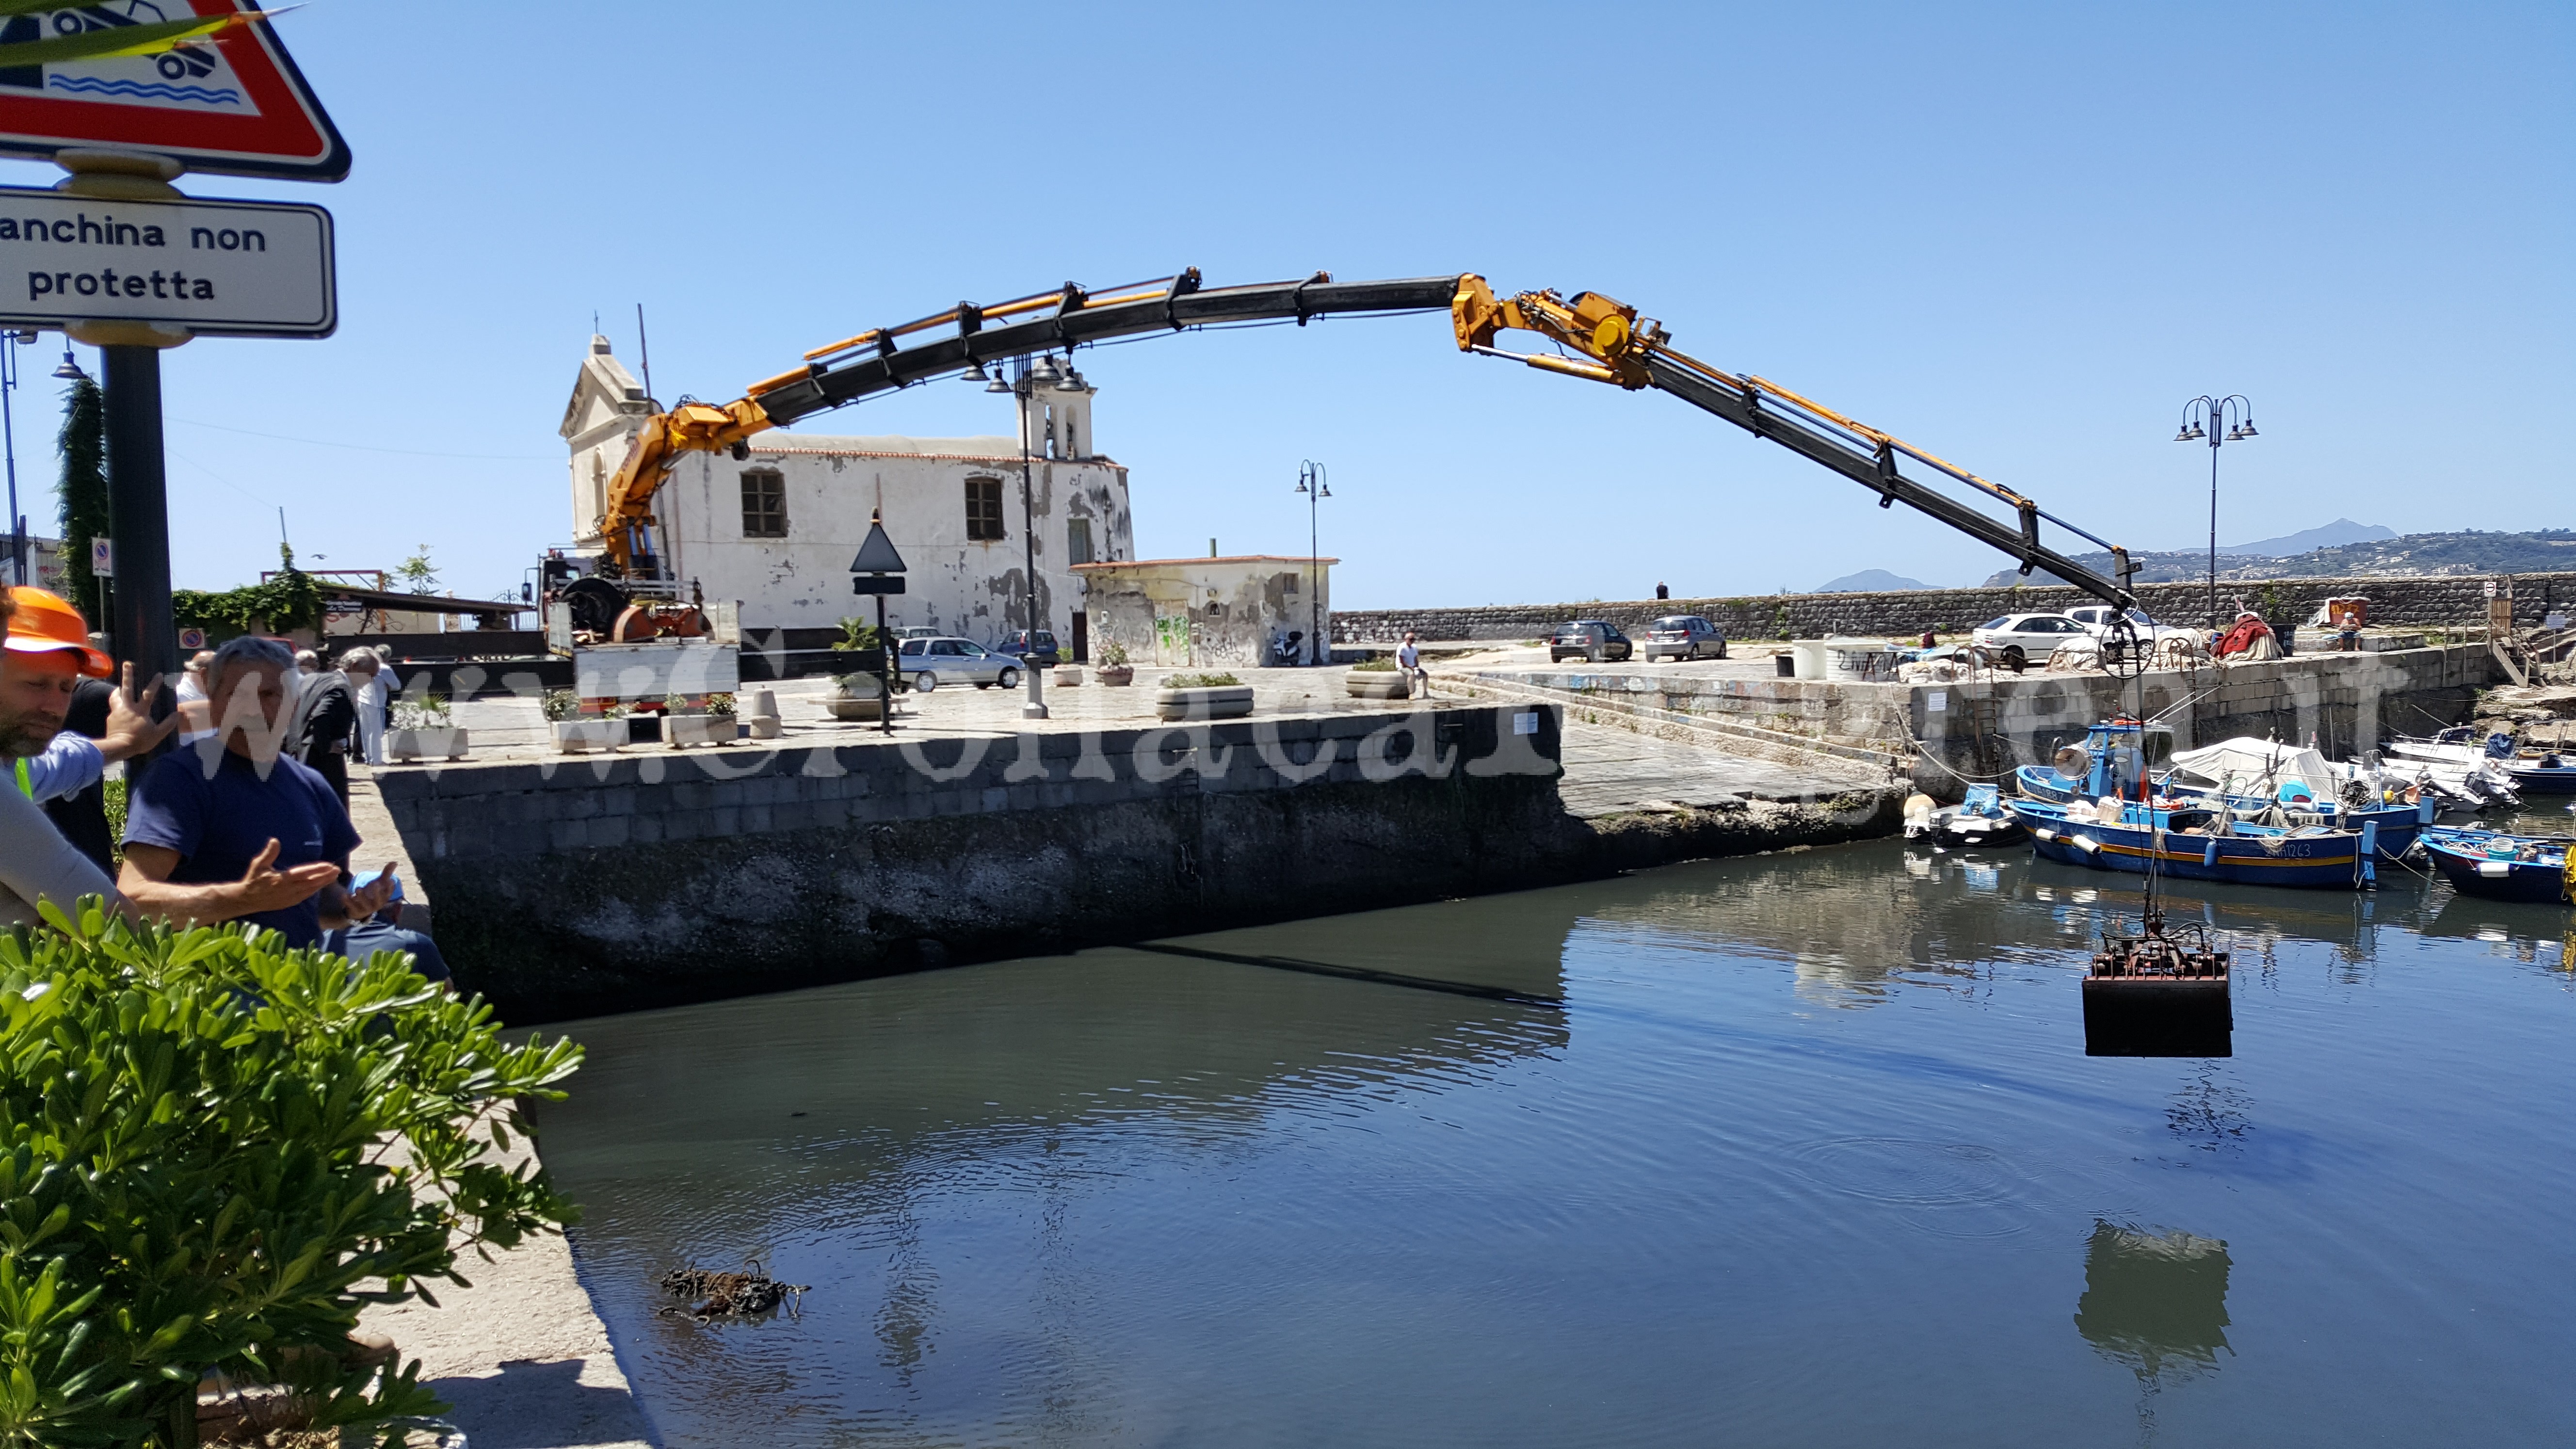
[{"x": 2019, "y": 236}]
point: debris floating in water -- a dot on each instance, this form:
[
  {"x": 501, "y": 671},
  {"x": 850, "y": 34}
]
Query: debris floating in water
[{"x": 729, "y": 1295}]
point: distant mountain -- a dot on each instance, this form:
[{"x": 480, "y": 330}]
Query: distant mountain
[
  {"x": 1869, "y": 581},
  {"x": 2551, "y": 550},
  {"x": 2341, "y": 531}
]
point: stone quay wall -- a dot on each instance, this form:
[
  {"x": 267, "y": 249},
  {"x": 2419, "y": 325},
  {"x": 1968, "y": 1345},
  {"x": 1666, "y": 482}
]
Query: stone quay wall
[
  {"x": 2407, "y": 603},
  {"x": 1983, "y": 728},
  {"x": 606, "y": 883}
]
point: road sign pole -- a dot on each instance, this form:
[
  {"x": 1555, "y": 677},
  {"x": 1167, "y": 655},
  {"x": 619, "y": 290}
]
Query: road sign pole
[{"x": 138, "y": 501}]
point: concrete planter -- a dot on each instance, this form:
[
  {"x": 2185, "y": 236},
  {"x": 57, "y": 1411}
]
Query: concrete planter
[
  {"x": 1116, "y": 674},
  {"x": 404, "y": 746},
  {"x": 867, "y": 702},
  {"x": 699, "y": 729},
  {"x": 1232, "y": 701},
  {"x": 1378, "y": 684},
  {"x": 590, "y": 736},
  {"x": 1064, "y": 676}
]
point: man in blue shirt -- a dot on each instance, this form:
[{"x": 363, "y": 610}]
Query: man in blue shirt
[{"x": 234, "y": 829}]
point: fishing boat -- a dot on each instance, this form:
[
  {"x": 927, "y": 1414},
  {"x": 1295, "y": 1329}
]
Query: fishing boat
[
  {"x": 1979, "y": 819},
  {"x": 2198, "y": 842},
  {"x": 2531, "y": 769},
  {"x": 2540, "y": 869},
  {"x": 2263, "y": 782}
]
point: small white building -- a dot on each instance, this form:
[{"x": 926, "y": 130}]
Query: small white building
[
  {"x": 777, "y": 529},
  {"x": 1197, "y": 612}
]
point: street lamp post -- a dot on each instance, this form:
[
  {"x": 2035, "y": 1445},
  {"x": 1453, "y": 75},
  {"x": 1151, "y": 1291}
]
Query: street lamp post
[
  {"x": 2204, "y": 417},
  {"x": 1022, "y": 384},
  {"x": 1310, "y": 481}
]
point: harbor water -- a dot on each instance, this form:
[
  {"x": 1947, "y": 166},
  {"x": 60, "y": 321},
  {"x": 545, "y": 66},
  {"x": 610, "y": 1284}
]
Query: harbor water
[{"x": 1796, "y": 1149}]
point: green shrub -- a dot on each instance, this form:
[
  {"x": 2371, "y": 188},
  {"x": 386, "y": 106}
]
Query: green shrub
[
  {"x": 1110, "y": 654},
  {"x": 208, "y": 1143},
  {"x": 1375, "y": 664},
  {"x": 426, "y": 712},
  {"x": 560, "y": 705},
  {"x": 857, "y": 634},
  {"x": 1201, "y": 681}
]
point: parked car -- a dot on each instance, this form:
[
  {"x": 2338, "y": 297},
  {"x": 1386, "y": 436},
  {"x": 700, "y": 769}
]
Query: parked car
[
  {"x": 1684, "y": 636},
  {"x": 2019, "y": 638},
  {"x": 1597, "y": 640},
  {"x": 1038, "y": 648},
  {"x": 2096, "y": 619},
  {"x": 926, "y": 664}
]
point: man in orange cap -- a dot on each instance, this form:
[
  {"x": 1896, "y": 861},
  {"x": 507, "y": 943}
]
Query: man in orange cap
[{"x": 46, "y": 657}]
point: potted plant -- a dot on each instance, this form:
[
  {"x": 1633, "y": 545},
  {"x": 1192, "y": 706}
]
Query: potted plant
[
  {"x": 421, "y": 729},
  {"x": 1377, "y": 678},
  {"x": 856, "y": 696},
  {"x": 1203, "y": 696},
  {"x": 706, "y": 720},
  {"x": 1110, "y": 661},
  {"x": 579, "y": 734}
]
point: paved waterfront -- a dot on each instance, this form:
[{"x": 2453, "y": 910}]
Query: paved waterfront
[{"x": 1607, "y": 769}]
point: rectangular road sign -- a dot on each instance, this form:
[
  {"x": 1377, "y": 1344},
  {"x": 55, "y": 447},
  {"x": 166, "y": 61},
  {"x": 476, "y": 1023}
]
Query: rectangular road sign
[
  {"x": 217, "y": 268},
  {"x": 231, "y": 102}
]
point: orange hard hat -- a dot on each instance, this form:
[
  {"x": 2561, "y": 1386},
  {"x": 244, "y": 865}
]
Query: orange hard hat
[{"x": 45, "y": 623}]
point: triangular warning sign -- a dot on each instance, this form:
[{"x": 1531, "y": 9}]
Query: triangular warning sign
[
  {"x": 232, "y": 104},
  {"x": 877, "y": 555}
]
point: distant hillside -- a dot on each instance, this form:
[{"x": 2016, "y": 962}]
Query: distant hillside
[
  {"x": 2333, "y": 535},
  {"x": 1869, "y": 581},
  {"x": 2472, "y": 553}
]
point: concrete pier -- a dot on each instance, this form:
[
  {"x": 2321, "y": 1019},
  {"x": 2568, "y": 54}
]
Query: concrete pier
[{"x": 567, "y": 885}]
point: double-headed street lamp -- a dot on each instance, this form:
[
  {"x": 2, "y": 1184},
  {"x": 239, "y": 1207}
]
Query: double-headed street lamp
[
  {"x": 2204, "y": 417},
  {"x": 1023, "y": 384},
  {"x": 1310, "y": 481}
]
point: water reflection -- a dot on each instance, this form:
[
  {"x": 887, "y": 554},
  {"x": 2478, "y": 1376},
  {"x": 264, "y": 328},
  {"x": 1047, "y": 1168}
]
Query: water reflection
[{"x": 2156, "y": 1302}]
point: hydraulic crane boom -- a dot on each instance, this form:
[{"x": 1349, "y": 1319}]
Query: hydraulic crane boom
[
  {"x": 885, "y": 358},
  {"x": 1616, "y": 346},
  {"x": 1630, "y": 352}
]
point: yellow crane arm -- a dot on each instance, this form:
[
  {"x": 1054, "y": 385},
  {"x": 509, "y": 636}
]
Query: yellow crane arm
[{"x": 1617, "y": 346}]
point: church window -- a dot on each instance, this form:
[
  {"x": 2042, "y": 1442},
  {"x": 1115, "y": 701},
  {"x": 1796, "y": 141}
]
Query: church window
[
  {"x": 1077, "y": 540},
  {"x": 764, "y": 503},
  {"x": 983, "y": 510}
]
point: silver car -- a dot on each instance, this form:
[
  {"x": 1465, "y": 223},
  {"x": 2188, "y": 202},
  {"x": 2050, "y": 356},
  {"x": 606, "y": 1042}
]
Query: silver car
[
  {"x": 1684, "y": 636},
  {"x": 926, "y": 664}
]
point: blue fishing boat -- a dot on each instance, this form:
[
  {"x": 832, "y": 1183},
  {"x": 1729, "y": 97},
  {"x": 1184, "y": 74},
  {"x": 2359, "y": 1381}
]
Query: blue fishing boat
[
  {"x": 2177, "y": 841},
  {"x": 2264, "y": 782},
  {"x": 2498, "y": 866}
]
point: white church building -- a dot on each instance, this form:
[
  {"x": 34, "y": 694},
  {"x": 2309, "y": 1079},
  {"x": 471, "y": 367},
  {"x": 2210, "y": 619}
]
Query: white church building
[{"x": 777, "y": 530}]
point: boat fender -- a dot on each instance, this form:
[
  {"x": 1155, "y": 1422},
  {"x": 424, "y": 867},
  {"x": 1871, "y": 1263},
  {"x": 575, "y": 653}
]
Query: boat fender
[
  {"x": 2209, "y": 852},
  {"x": 2423, "y": 806},
  {"x": 2370, "y": 851},
  {"x": 2085, "y": 843},
  {"x": 2043, "y": 832}
]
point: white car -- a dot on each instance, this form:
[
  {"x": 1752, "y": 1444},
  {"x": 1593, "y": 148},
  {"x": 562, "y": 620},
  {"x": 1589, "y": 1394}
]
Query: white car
[
  {"x": 2017, "y": 639},
  {"x": 2096, "y": 619}
]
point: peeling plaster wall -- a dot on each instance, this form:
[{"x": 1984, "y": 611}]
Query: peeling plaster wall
[
  {"x": 1204, "y": 613},
  {"x": 971, "y": 587}
]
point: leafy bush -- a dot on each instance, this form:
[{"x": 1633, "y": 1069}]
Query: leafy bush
[
  {"x": 1375, "y": 664},
  {"x": 1200, "y": 681},
  {"x": 560, "y": 705},
  {"x": 1110, "y": 654},
  {"x": 426, "y": 712},
  {"x": 858, "y": 634},
  {"x": 720, "y": 705},
  {"x": 208, "y": 1143}
]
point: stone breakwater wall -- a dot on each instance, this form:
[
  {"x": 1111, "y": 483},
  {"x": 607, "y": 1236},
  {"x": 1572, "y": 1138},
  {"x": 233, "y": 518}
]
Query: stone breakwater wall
[
  {"x": 2407, "y": 603},
  {"x": 1985, "y": 727},
  {"x": 607, "y": 883}
]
